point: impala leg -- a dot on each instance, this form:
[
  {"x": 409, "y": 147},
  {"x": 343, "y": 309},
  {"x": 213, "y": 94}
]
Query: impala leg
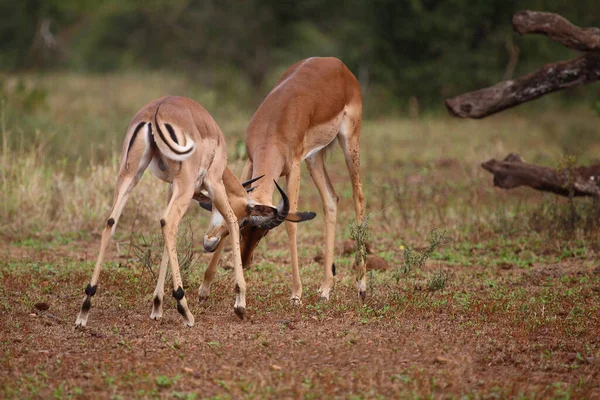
[
  {"x": 125, "y": 183},
  {"x": 316, "y": 167},
  {"x": 209, "y": 274},
  {"x": 350, "y": 145},
  {"x": 293, "y": 190},
  {"x": 182, "y": 196},
  {"x": 159, "y": 292},
  {"x": 222, "y": 203}
]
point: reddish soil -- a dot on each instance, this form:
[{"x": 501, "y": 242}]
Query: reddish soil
[{"x": 425, "y": 344}]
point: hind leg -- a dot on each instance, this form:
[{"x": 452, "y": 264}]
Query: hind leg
[
  {"x": 137, "y": 159},
  {"x": 159, "y": 292},
  {"x": 178, "y": 205},
  {"x": 349, "y": 141}
]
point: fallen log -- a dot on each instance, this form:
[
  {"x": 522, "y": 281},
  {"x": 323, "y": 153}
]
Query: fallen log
[
  {"x": 551, "y": 77},
  {"x": 513, "y": 172}
]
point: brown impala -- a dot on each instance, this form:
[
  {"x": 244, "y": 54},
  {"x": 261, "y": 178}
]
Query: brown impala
[
  {"x": 183, "y": 146},
  {"x": 316, "y": 101}
]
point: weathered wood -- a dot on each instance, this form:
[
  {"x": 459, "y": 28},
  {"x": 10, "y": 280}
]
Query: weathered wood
[
  {"x": 558, "y": 29},
  {"x": 549, "y": 78},
  {"x": 513, "y": 172},
  {"x": 510, "y": 93}
]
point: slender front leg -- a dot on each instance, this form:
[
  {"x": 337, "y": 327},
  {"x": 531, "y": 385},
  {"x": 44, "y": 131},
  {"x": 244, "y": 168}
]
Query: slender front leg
[
  {"x": 210, "y": 272},
  {"x": 220, "y": 201},
  {"x": 159, "y": 292},
  {"x": 182, "y": 195},
  {"x": 125, "y": 184},
  {"x": 316, "y": 168},
  {"x": 293, "y": 190}
]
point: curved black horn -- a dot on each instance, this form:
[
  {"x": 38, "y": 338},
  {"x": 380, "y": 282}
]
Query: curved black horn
[
  {"x": 247, "y": 184},
  {"x": 282, "y": 211}
]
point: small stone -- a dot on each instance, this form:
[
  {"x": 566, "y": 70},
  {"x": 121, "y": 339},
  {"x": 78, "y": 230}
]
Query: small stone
[
  {"x": 505, "y": 265},
  {"x": 591, "y": 360},
  {"x": 349, "y": 247},
  {"x": 33, "y": 315},
  {"x": 572, "y": 357},
  {"x": 42, "y": 306},
  {"x": 275, "y": 367},
  {"x": 376, "y": 263},
  {"x": 188, "y": 370},
  {"x": 441, "y": 360}
]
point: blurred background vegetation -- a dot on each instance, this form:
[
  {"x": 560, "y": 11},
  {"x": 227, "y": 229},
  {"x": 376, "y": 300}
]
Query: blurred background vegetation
[
  {"x": 406, "y": 53},
  {"x": 74, "y": 72}
]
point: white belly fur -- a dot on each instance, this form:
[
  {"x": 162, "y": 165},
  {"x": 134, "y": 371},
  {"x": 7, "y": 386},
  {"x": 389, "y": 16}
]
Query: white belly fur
[{"x": 320, "y": 136}]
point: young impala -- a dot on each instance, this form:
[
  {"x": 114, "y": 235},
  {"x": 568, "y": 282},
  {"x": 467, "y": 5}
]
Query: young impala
[
  {"x": 315, "y": 101},
  {"x": 183, "y": 146}
]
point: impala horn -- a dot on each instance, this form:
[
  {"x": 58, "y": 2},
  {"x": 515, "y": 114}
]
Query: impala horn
[
  {"x": 247, "y": 184},
  {"x": 273, "y": 221}
]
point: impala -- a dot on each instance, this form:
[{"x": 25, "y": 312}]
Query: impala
[
  {"x": 315, "y": 101},
  {"x": 183, "y": 145}
]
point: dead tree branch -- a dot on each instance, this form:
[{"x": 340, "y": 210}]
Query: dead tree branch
[
  {"x": 558, "y": 29},
  {"x": 510, "y": 93},
  {"x": 549, "y": 78},
  {"x": 513, "y": 172}
]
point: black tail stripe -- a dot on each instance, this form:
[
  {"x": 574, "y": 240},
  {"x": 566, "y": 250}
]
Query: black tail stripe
[
  {"x": 135, "y": 132},
  {"x": 162, "y": 136},
  {"x": 172, "y": 133}
]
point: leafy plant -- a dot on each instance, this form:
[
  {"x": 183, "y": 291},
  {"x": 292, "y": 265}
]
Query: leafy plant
[{"x": 360, "y": 233}]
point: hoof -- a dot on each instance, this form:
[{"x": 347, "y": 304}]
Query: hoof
[
  {"x": 157, "y": 311},
  {"x": 80, "y": 324},
  {"x": 239, "y": 311},
  {"x": 323, "y": 299},
  {"x": 156, "y": 315},
  {"x": 296, "y": 301},
  {"x": 362, "y": 294},
  {"x": 189, "y": 323},
  {"x": 81, "y": 320},
  {"x": 203, "y": 294}
]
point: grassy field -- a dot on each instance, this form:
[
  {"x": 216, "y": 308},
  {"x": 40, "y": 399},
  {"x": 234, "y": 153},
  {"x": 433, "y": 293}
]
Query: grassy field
[{"x": 507, "y": 305}]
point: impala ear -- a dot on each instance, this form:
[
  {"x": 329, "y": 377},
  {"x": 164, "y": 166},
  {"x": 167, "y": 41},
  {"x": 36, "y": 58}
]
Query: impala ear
[
  {"x": 259, "y": 210},
  {"x": 300, "y": 216},
  {"x": 204, "y": 201}
]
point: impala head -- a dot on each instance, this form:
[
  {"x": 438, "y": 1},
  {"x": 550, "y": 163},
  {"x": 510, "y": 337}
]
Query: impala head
[{"x": 255, "y": 220}]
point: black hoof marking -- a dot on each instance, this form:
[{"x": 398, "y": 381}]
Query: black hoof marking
[
  {"x": 178, "y": 294},
  {"x": 157, "y": 302},
  {"x": 180, "y": 309},
  {"x": 90, "y": 290},
  {"x": 333, "y": 268},
  {"x": 239, "y": 311},
  {"x": 163, "y": 222},
  {"x": 362, "y": 295},
  {"x": 110, "y": 222},
  {"x": 87, "y": 304},
  {"x": 202, "y": 298},
  {"x": 322, "y": 299}
]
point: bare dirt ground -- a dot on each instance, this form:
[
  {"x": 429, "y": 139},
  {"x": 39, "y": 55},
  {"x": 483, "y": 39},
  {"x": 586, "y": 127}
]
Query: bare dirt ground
[{"x": 493, "y": 332}]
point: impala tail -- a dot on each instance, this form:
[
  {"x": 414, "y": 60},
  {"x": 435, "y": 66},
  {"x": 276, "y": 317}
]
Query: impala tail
[{"x": 171, "y": 138}]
